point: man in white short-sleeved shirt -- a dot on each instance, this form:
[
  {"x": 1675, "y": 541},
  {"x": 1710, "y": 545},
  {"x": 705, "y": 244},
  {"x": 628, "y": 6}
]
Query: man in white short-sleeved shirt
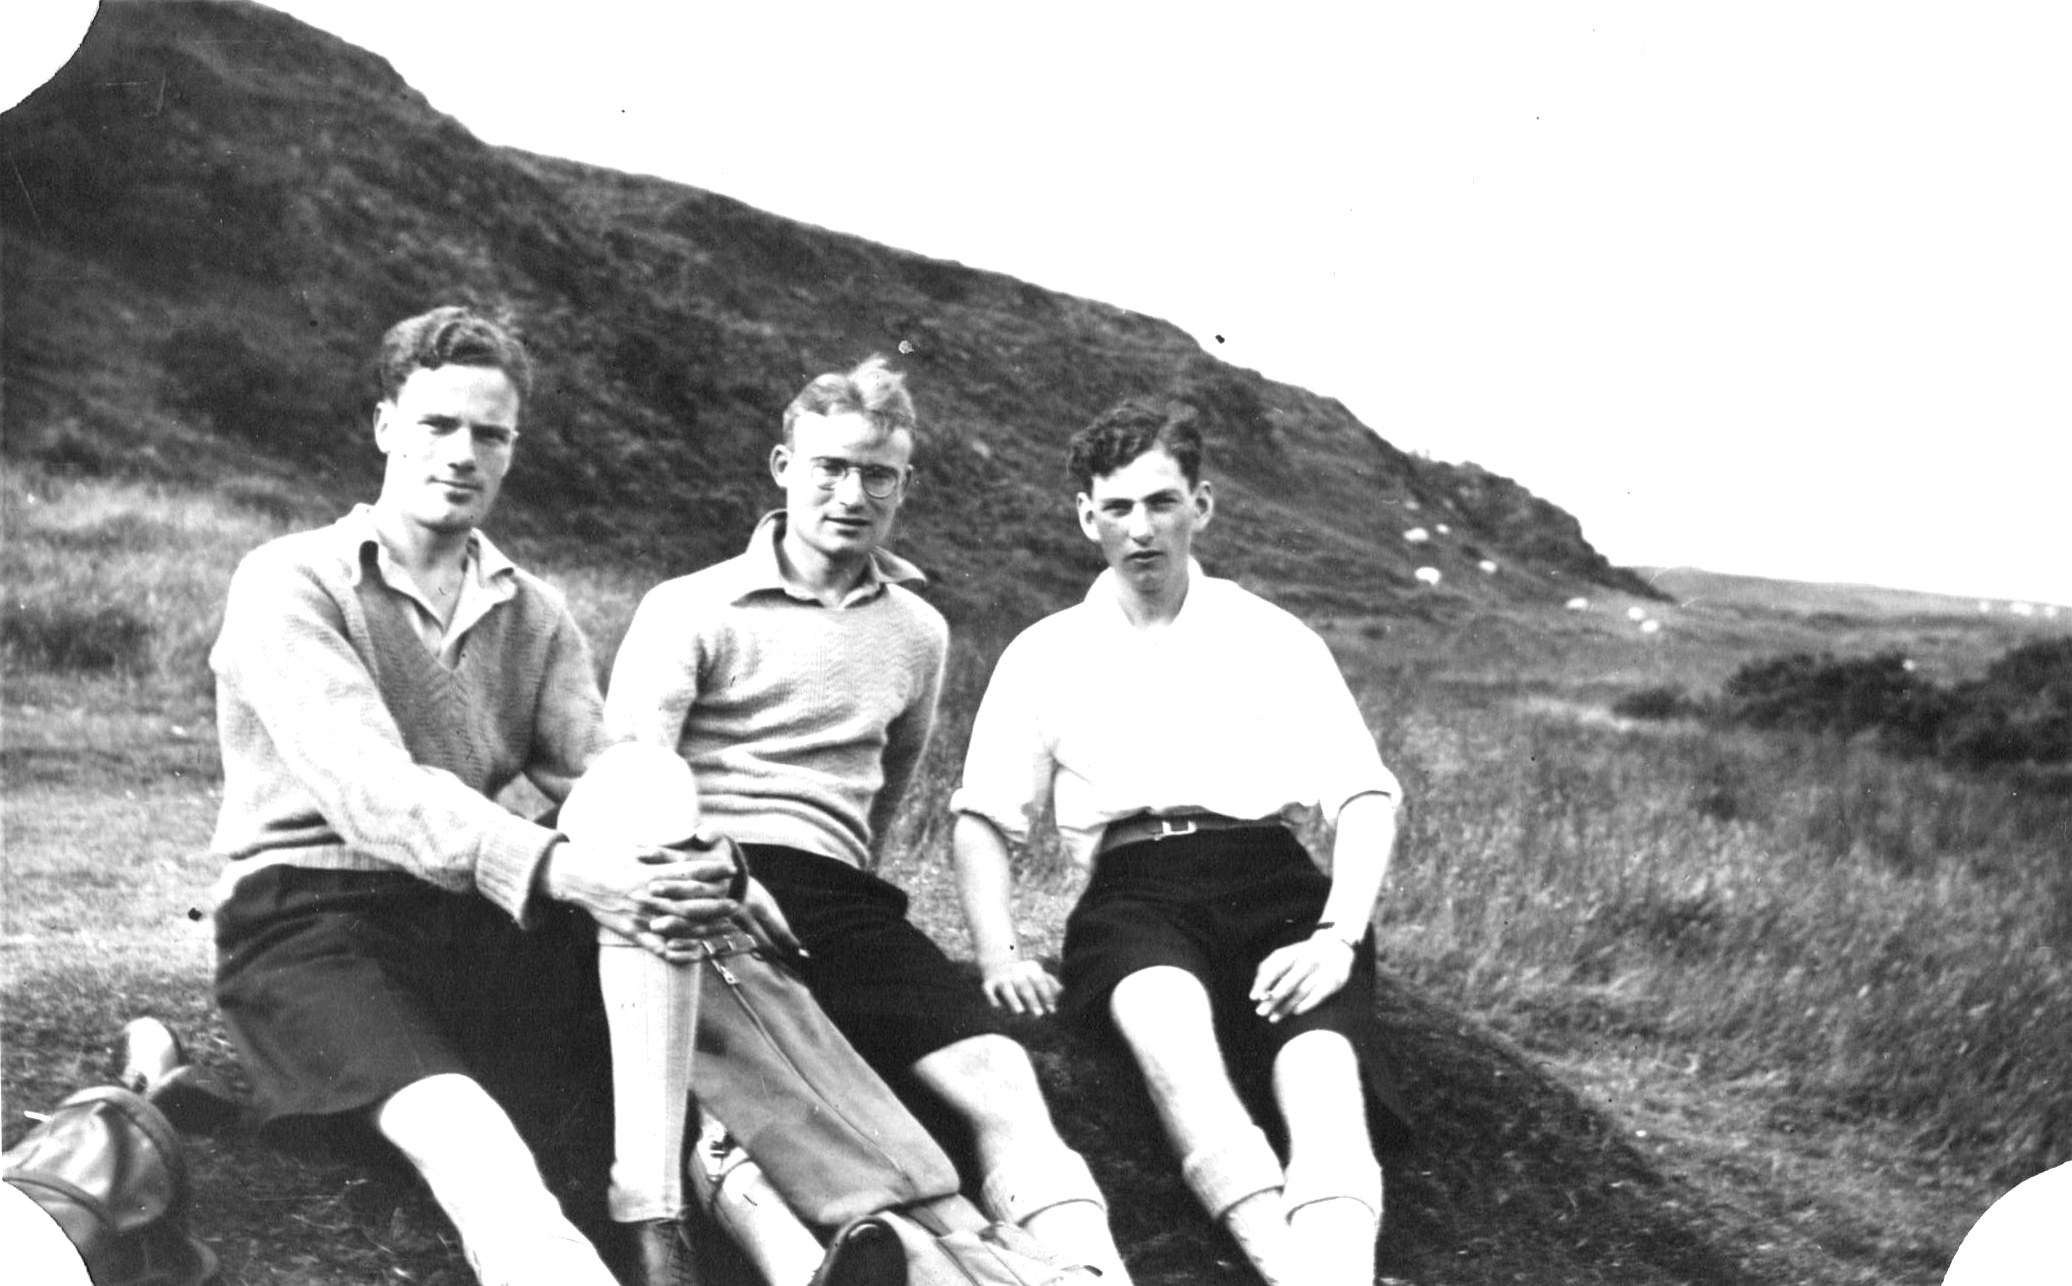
[{"x": 1178, "y": 726}]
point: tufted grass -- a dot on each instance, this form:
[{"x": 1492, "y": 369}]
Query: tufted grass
[{"x": 1785, "y": 1006}]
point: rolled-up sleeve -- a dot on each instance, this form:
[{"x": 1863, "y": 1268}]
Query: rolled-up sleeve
[
  {"x": 1347, "y": 763},
  {"x": 1009, "y": 766}
]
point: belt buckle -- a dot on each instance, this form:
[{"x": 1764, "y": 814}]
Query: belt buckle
[
  {"x": 1167, "y": 828},
  {"x": 721, "y": 945}
]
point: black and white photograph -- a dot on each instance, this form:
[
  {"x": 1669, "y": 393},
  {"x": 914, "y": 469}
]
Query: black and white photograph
[{"x": 802, "y": 644}]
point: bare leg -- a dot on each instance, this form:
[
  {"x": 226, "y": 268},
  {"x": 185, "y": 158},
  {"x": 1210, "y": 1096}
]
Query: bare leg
[
  {"x": 1032, "y": 1178},
  {"x": 732, "y": 1187},
  {"x": 1165, "y": 1018},
  {"x": 1334, "y": 1192}
]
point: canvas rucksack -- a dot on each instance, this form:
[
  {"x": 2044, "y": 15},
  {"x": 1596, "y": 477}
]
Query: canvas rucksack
[{"x": 837, "y": 1145}]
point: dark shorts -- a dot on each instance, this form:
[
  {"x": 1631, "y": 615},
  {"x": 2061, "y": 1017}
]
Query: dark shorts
[
  {"x": 1216, "y": 904},
  {"x": 341, "y": 987},
  {"x": 886, "y": 985}
]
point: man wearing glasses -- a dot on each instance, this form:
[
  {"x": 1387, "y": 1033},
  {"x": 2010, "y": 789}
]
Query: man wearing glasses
[{"x": 799, "y": 681}]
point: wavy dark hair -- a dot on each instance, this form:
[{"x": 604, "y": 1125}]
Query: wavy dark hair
[
  {"x": 450, "y": 336},
  {"x": 1129, "y": 429}
]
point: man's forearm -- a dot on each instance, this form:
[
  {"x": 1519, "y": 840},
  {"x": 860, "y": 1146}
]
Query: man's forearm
[
  {"x": 985, "y": 888},
  {"x": 1360, "y": 852}
]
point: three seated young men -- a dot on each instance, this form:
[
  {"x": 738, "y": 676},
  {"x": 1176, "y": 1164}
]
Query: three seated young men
[{"x": 398, "y": 951}]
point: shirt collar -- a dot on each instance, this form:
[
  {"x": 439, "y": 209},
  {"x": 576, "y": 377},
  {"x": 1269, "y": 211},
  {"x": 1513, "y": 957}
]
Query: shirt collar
[
  {"x": 1106, "y": 591},
  {"x": 491, "y": 568},
  {"x": 762, "y": 569}
]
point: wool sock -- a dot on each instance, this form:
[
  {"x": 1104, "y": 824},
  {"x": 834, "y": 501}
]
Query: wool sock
[
  {"x": 1052, "y": 1194},
  {"x": 1334, "y": 1210},
  {"x": 1239, "y": 1183},
  {"x": 463, "y": 1144},
  {"x": 651, "y": 1007}
]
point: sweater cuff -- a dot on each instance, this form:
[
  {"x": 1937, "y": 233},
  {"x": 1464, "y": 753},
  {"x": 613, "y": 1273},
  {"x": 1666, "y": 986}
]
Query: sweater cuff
[{"x": 508, "y": 863}]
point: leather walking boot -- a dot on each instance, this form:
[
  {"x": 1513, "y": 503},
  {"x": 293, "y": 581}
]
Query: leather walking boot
[
  {"x": 662, "y": 1253},
  {"x": 152, "y": 1062}
]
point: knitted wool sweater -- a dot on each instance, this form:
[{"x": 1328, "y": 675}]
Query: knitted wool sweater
[
  {"x": 802, "y": 723},
  {"x": 348, "y": 745}
]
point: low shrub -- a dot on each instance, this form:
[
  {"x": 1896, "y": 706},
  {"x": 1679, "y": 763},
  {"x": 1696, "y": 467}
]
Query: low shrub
[
  {"x": 2020, "y": 712},
  {"x": 1845, "y": 696},
  {"x": 105, "y": 639},
  {"x": 273, "y": 395},
  {"x": 1666, "y": 701}
]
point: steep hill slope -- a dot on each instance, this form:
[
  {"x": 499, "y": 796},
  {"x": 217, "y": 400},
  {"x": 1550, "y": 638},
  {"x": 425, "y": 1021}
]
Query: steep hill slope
[{"x": 214, "y": 210}]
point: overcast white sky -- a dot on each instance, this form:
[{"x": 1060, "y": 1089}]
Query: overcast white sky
[{"x": 1775, "y": 288}]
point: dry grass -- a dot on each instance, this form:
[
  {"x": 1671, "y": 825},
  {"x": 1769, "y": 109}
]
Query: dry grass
[
  {"x": 1678, "y": 1005},
  {"x": 1890, "y": 935}
]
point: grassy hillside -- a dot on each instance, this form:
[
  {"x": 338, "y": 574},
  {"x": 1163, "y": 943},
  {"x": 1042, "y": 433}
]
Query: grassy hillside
[
  {"x": 214, "y": 211},
  {"x": 1674, "y": 1004}
]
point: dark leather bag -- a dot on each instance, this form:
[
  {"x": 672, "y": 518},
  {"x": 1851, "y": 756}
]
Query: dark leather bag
[
  {"x": 940, "y": 1243},
  {"x": 107, "y": 1167}
]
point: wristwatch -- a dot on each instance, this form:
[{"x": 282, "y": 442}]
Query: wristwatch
[{"x": 1329, "y": 927}]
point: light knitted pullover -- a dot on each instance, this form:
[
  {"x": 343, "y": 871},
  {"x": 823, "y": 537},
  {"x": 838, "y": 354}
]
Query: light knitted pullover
[
  {"x": 802, "y": 723},
  {"x": 347, "y": 745}
]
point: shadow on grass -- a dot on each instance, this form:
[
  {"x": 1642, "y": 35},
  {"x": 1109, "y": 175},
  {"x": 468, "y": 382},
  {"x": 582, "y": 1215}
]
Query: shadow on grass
[{"x": 1514, "y": 1178}]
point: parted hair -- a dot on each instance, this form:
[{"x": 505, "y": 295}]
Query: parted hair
[
  {"x": 1129, "y": 429},
  {"x": 450, "y": 336},
  {"x": 873, "y": 390}
]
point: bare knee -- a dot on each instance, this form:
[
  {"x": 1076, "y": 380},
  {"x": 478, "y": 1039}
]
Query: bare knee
[
  {"x": 1317, "y": 1085},
  {"x": 425, "y": 1114},
  {"x": 1155, "y": 996},
  {"x": 1164, "y": 1016},
  {"x": 1318, "y": 1059},
  {"x": 990, "y": 1082}
]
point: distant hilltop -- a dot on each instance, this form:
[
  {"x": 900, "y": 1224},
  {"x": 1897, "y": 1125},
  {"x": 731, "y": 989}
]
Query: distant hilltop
[
  {"x": 1688, "y": 584},
  {"x": 214, "y": 210}
]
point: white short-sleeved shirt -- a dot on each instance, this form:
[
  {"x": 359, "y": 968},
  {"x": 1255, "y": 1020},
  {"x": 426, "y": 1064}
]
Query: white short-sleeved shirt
[{"x": 1235, "y": 707}]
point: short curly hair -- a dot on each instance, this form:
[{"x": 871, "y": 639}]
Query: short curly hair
[
  {"x": 873, "y": 390},
  {"x": 1129, "y": 429},
  {"x": 450, "y": 336}
]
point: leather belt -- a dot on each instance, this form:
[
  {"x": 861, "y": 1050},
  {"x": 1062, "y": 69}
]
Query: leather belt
[{"x": 1158, "y": 826}]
